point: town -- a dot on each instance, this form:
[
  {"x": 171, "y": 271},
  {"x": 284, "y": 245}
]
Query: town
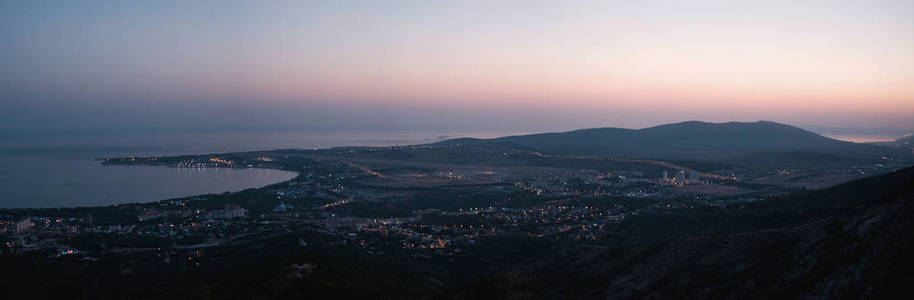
[{"x": 350, "y": 198}]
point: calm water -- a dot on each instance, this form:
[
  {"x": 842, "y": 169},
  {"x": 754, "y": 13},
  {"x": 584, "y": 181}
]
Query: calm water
[{"x": 62, "y": 171}]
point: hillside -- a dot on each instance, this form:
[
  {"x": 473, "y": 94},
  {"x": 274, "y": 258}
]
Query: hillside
[
  {"x": 687, "y": 140},
  {"x": 858, "y": 251},
  {"x": 756, "y": 143}
]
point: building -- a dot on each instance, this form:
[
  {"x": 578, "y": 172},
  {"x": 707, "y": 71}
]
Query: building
[
  {"x": 693, "y": 177},
  {"x": 680, "y": 177},
  {"x": 230, "y": 212},
  {"x": 24, "y": 225}
]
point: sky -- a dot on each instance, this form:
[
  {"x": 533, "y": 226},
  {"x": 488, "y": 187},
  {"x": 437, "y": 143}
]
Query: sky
[{"x": 97, "y": 66}]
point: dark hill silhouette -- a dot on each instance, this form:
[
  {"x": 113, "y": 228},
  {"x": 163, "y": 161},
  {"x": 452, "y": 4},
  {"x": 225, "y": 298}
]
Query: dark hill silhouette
[
  {"x": 687, "y": 140},
  {"x": 694, "y": 140}
]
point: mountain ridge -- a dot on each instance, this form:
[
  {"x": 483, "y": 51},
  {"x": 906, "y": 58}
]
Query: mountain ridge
[{"x": 692, "y": 140}]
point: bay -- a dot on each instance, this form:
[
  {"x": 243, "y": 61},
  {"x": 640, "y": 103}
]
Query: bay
[{"x": 64, "y": 171}]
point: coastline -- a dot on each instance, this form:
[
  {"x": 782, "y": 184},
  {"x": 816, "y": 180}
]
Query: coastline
[{"x": 117, "y": 185}]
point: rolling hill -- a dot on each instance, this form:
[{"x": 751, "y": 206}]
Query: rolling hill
[{"x": 742, "y": 142}]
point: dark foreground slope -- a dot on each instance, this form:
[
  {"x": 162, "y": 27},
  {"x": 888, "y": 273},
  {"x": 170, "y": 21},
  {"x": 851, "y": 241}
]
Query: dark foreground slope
[{"x": 861, "y": 251}]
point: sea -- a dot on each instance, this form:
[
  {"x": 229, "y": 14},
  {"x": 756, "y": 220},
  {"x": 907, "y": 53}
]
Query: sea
[{"x": 66, "y": 171}]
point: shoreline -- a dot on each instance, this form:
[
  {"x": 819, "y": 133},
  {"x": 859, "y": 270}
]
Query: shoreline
[{"x": 101, "y": 162}]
